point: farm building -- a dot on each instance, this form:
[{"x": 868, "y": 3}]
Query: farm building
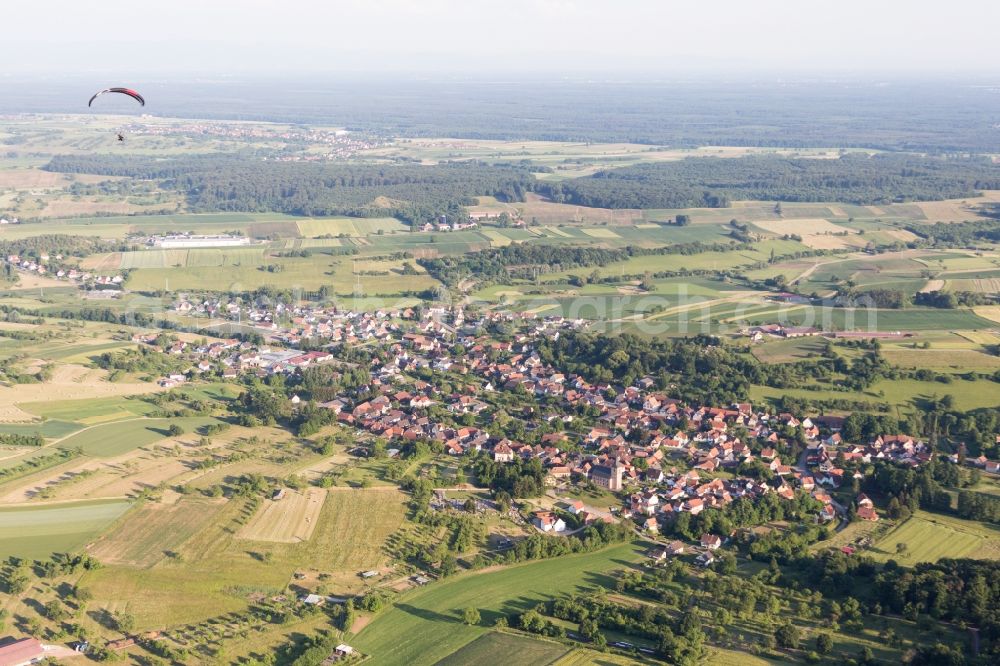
[
  {"x": 22, "y": 652},
  {"x": 189, "y": 241}
]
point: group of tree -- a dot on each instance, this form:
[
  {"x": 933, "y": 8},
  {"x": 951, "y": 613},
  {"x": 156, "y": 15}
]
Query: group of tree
[
  {"x": 713, "y": 183},
  {"x": 699, "y": 370},
  {"x": 953, "y": 299}
]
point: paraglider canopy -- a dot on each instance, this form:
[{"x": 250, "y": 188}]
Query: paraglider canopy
[{"x": 124, "y": 91}]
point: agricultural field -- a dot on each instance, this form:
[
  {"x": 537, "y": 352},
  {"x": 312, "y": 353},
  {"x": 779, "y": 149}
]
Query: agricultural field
[
  {"x": 39, "y": 531},
  {"x": 584, "y": 657},
  {"x": 186, "y": 571},
  {"x": 425, "y": 626},
  {"x": 903, "y": 393},
  {"x": 185, "y": 525},
  {"x": 290, "y": 519},
  {"x": 350, "y": 226},
  {"x": 499, "y": 647},
  {"x": 85, "y": 390},
  {"x": 116, "y": 438},
  {"x": 154, "y": 531},
  {"x": 930, "y": 537},
  {"x": 567, "y": 159},
  {"x": 819, "y": 234}
]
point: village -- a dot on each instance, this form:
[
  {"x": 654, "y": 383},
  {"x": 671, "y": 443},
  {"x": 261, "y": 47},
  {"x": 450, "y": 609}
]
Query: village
[{"x": 661, "y": 457}]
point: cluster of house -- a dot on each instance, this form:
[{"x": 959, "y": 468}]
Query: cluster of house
[
  {"x": 41, "y": 267},
  {"x": 444, "y": 225},
  {"x": 230, "y": 358},
  {"x": 338, "y": 143},
  {"x": 707, "y": 545},
  {"x": 827, "y": 454}
]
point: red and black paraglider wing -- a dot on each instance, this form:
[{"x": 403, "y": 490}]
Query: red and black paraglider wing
[{"x": 123, "y": 91}]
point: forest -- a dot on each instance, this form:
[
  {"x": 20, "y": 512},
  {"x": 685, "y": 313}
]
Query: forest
[
  {"x": 499, "y": 264},
  {"x": 713, "y": 183},
  {"x": 422, "y": 193},
  {"x": 243, "y": 183},
  {"x": 946, "y": 234}
]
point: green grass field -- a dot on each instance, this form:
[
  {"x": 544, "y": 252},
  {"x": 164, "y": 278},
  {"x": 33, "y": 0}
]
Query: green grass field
[
  {"x": 584, "y": 657},
  {"x": 863, "y": 319},
  {"x": 425, "y": 626},
  {"x": 145, "y": 537},
  {"x": 352, "y": 226},
  {"x": 496, "y": 647},
  {"x": 88, "y": 408},
  {"x": 244, "y": 269},
  {"x": 903, "y": 392},
  {"x": 112, "y": 439},
  {"x": 51, "y": 429},
  {"x": 930, "y": 537},
  {"x": 38, "y": 531}
]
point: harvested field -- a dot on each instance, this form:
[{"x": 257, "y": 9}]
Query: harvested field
[
  {"x": 69, "y": 382},
  {"x": 32, "y": 486},
  {"x": 900, "y": 234},
  {"x": 123, "y": 477},
  {"x": 951, "y": 210},
  {"x": 932, "y": 285},
  {"x": 289, "y": 520},
  {"x": 816, "y": 233},
  {"x": 601, "y": 233},
  {"x": 30, "y": 179},
  {"x": 991, "y": 312},
  {"x": 980, "y": 337},
  {"x": 151, "y": 533},
  {"x": 989, "y": 285},
  {"x": 69, "y": 208}
]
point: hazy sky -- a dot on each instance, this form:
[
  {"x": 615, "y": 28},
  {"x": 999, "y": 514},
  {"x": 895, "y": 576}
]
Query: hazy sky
[{"x": 660, "y": 36}]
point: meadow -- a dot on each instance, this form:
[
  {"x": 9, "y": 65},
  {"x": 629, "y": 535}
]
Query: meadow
[
  {"x": 38, "y": 531},
  {"x": 112, "y": 439},
  {"x": 930, "y": 537},
  {"x": 153, "y": 532},
  {"x": 425, "y": 626},
  {"x": 584, "y": 657},
  {"x": 496, "y": 647},
  {"x": 901, "y": 393}
]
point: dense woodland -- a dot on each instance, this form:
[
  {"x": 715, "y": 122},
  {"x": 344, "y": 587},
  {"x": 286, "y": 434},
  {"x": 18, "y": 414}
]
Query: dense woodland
[
  {"x": 946, "y": 234},
  {"x": 245, "y": 184},
  {"x": 713, "y": 183},
  {"x": 421, "y": 193}
]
